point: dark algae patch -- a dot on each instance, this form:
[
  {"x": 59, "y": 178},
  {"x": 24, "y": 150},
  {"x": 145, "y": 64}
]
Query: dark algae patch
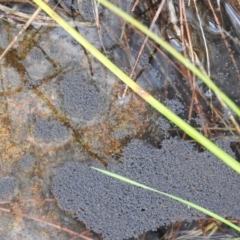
[
  {"x": 119, "y": 210},
  {"x": 49, "y": 131}
]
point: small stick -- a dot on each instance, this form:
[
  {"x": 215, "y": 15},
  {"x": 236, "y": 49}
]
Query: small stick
[
  {"x": 82, "y": 235},
  {"x": 173, "y": 17},
  {"x": 40, "y": 20},
  {"x": 134, "y": 6},
  {"x": 15, "y": 212},
  {"x": 95, "y": 6},
  {"x": 204, "y": 39},
  {"x": 144, "y": 43}
]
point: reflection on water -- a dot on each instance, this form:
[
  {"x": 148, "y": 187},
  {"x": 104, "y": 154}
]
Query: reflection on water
[{"x": 59, "y": 104}]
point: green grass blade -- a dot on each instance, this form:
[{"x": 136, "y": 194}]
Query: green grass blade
[
  {"x": 204, "y": 210},
  {"x": 172, "y": 51},
  {"x": 226, "y": 158}
]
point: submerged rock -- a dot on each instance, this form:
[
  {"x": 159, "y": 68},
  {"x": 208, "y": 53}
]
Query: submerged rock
[{"x": 82, "y": 99}]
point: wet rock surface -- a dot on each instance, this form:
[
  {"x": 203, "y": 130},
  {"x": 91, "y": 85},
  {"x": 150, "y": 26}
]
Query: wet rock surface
[{"x": 62, "y": 111}]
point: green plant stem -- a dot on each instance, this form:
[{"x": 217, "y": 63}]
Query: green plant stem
[
  {"x": 226, "y": 158},
  {"x": 190, "y": 204}
]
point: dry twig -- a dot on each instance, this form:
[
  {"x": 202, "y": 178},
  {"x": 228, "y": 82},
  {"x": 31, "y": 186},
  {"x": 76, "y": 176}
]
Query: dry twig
[{"x": 144, "y": 43}]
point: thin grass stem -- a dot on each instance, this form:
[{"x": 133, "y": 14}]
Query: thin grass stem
[{"x": 190, "y": 204}]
